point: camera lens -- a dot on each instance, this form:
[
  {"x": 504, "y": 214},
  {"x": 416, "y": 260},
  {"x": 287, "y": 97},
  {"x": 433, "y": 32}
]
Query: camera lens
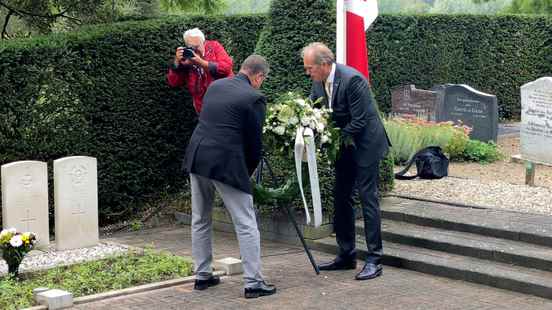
[{"x": 188, "y": 53}]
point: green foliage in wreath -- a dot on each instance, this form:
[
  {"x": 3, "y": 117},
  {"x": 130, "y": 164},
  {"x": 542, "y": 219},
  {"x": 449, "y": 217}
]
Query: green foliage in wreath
[{"x": 286, "y": 193}]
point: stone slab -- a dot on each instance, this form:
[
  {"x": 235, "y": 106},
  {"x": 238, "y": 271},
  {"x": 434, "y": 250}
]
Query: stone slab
[
  {"x": 536, "y": 121},
  {"x": 230, "y": 265},
  {"x": 276, "y": 227},
  {"x": 25, "y": 198},
  {"x": 55, "y": 299},
  {"x": 76, "y": 202},
  {"x": 408, "y": 101},
  {"x": 463, "y": 104}
]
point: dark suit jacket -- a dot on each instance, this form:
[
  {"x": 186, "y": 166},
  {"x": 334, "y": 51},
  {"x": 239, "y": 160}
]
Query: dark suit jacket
[
  {"x": 354, "y": 111},
  {"x": 226, "y": 144}
]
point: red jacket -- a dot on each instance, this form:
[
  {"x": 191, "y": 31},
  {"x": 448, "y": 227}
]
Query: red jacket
[{"x": 198, "y": 79}]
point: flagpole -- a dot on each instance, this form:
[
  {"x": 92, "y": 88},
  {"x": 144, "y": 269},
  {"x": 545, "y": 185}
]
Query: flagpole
[{"x": 341, "y": 37}]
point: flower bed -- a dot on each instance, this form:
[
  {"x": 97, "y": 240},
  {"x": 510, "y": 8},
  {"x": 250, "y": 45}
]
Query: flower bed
[
  {"x": 409, "y": 135},
  {"x": 95, "y": 277}
]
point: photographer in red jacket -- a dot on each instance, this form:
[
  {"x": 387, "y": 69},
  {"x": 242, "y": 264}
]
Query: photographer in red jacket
[{"x": 198, "y": 64}]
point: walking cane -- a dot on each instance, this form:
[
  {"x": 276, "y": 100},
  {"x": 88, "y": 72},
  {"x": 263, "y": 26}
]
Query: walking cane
[{"x": 259, "y": 179}]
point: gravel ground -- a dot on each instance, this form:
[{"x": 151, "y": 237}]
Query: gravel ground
[
  {"x": 497, "y": 185},
  {"x": 37, "y": 259}
]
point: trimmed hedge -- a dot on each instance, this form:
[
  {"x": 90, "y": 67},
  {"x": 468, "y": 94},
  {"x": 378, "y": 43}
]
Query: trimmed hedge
[
  {"x": 285, "y": 34},
  {"x": 102, "y": 92},
  {"x": 291, "y": 25},
  {"x": 494, "y": 54}
]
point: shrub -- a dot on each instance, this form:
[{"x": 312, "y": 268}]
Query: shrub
[
  {"x": 102, "y": 92},
  {"x": 291, "y": 25},
  {"x": 410, "y": 135},
  {"x": 457, "y": 145},
  {"x": 482, "y": 152}
]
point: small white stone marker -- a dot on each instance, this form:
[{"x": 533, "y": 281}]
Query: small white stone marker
[
  {"x": 230, "y": 265},
  {"x": 39, "y": 290},
  {"x": 55, "y": 299}
]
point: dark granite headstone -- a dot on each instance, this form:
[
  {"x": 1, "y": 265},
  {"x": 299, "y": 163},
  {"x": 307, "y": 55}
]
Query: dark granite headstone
[
  {"x": 459, "y": 102},
  {"x": 407, "y": 101}
]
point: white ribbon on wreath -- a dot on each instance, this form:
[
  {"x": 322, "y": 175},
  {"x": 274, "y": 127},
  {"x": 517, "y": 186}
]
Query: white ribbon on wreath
[{"x": 304, "y": 145}]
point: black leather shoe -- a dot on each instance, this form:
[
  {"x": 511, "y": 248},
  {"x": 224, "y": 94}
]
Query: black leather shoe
[
  {"x": 204, "y": 284},
  {"x": 338, "y": 264},
  {"x": 369, "y": 271},
  {"x": 263, "y": 290}
]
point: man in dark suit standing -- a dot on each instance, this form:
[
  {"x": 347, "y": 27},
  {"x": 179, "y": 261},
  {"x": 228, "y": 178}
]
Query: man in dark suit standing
[
  {"x": 364, "y": 143},
  {"x": 224, "y": 150}
]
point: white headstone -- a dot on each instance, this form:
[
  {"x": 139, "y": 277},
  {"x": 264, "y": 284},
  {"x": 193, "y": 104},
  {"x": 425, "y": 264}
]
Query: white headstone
[
  {"x": 25, "y": 198},
  {"x": 536, "y": 121},
  {"x": 76, "y": 202}
]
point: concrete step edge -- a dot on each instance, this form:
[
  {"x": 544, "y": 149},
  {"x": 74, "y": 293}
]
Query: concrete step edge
[
  {"x": 512, "y": 233},
  {"x": 466, "y": 244},
  {"x": 503, "y": 276}
]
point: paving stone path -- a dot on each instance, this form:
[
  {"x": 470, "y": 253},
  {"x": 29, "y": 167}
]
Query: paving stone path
[{"x": 299, "y": 288}]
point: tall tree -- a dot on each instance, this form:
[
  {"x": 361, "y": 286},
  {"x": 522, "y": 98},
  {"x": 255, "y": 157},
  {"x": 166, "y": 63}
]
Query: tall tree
[
  {"x": 469, "y": 6},
  {"x": 531, "y": 7},
  {"x": 403, "y": 6},
  {"x": 201, "y": 6},
  {"x": 40, "y": 15},
  {"x": 43, "y": 16},
  {"x": 527, "y": 6}
]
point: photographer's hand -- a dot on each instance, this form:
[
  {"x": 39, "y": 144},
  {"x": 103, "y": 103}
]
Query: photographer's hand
[
  {"x": 178, "y": 55},
  {"x": 200, "y": 61}
]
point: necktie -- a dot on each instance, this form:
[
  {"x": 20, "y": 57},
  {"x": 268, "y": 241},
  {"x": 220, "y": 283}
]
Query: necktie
[{"x": 327, "y": 88}]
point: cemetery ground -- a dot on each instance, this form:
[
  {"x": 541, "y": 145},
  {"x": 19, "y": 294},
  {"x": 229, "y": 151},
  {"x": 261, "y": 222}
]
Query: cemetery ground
[
  {"x": 287, "y": 267},
  {"x": 500, "y": 184},
  {"x": 299, "y": 287}
]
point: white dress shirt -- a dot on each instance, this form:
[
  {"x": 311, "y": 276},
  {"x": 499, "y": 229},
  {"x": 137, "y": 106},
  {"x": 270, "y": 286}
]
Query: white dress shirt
[{"x": 328, "y": 85}]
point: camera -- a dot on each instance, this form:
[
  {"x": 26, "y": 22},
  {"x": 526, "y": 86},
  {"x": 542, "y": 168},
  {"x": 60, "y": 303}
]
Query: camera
[{"x": 188, "y": 53}]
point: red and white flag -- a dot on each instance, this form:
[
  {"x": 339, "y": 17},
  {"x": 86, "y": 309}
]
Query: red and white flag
[{"x": 353, "y": 19}]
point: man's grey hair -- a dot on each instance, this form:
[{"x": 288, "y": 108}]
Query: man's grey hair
[
  {"x": 195, "y": 32},
  {"x": 255, "y": 64},
  {"x": 322, "y": 53}
]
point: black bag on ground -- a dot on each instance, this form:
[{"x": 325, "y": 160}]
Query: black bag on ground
[{"x": 431, "y": 163}]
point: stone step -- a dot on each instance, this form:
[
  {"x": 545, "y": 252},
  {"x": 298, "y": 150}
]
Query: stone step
[
  {"x": 517, "y": 226},
  {"x": 467, "y": 244},
  {"x": 499, "y": 275}
]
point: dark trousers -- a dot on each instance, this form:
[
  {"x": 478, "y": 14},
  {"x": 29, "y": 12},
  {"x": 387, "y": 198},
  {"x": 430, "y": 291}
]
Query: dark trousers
[{"x": 347, "y": 176}]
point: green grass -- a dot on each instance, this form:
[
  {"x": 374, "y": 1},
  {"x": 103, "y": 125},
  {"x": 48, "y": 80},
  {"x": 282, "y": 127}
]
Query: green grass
[{"x": 95, "y": 277}]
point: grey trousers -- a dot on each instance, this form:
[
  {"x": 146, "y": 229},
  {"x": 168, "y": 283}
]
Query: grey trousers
[{"x": 240, "y": 206}]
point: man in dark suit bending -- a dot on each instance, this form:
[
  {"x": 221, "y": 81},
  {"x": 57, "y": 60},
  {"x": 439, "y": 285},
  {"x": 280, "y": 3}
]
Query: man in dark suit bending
[
  {"x": 364, "y": 143},
  {"x": 224, "y": 150}
]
